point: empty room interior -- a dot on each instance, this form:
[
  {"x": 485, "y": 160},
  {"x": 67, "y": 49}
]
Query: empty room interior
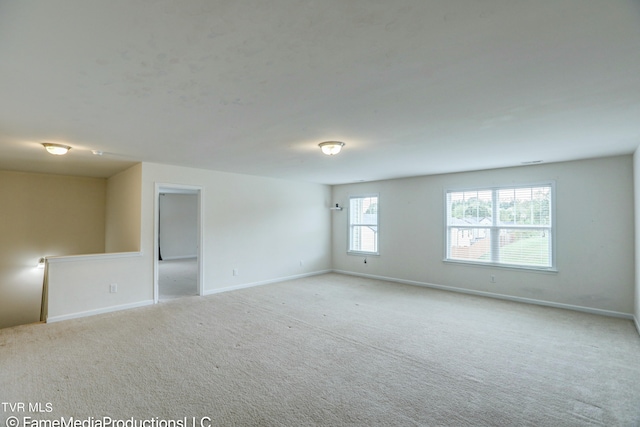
[{"x": 298, "y": 212}]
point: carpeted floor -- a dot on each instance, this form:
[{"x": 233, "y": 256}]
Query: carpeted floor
[
  {"x": 177, "y": 278},
  {"x": 329, "y": 350}
]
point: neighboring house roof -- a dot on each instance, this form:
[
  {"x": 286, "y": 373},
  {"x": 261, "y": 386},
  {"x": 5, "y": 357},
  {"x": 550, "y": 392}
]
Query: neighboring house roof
[{"x": 470, "y": 221}]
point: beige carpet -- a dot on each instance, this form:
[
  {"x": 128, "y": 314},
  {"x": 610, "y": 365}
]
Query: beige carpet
[
  {"x": 177, "y": 278},
  {"x": 330, "y": 350}
]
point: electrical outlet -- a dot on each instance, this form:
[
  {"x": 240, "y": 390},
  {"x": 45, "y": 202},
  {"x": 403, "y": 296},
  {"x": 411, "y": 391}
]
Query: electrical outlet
[
  {"x": 235, "y": 272},
  {"x": 301, "y": 263},
  {"x": 113, "y": 288},
  {"x": 492, "y": 279}
]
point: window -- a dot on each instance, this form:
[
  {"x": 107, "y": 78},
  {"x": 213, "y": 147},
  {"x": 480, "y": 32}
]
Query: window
[
  {"x": 363, "y": 224},
  {"x": 506, "y": 226}
]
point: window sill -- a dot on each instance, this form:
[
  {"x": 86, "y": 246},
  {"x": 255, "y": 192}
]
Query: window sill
[
  {"x": 365, "y": 254},
  {"x": 552, "y": 270}
]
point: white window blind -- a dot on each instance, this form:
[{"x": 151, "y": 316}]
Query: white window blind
[
  {"x": 363, "y": 224},
  {"x": 509, "y": 226}
]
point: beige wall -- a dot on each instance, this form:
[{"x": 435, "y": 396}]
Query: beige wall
[
  {"x": 122, "y": 227},
  {"x": 43, "y": 215},
  {"x": 595, "y": 238}
]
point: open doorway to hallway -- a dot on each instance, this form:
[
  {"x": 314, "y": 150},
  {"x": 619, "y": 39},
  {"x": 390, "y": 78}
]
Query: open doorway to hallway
[{"x": 177, "y": 259}]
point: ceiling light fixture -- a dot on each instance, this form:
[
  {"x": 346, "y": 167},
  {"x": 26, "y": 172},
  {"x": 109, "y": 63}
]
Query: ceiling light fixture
[
  {"x": 56, "y": 149},
  {"x": 331, "y": 147}
]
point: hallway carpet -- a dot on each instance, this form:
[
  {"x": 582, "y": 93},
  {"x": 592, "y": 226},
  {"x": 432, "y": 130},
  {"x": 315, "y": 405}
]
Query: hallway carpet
[{"x": 177, "y": 278}]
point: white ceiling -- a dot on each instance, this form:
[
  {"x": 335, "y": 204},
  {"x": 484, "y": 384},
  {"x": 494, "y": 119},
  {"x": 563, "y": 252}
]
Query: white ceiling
[{"x": 413, "y": 87}]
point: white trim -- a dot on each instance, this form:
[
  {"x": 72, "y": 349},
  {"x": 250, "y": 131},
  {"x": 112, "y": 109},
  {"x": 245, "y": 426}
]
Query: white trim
[
  {"x": 92, "y": 257},
  {"x": 177, "y": 189},
  {"x": 364, "y": 254},
  {"x": 635, "y": 321},
  {"x": 505, "y": 266},
  {"x": 590, "y": 310},
  {"x": 54, "y": 319},
  {"x": 265, "y": 282}
]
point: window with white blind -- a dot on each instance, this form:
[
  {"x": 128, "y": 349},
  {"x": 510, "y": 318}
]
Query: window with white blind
[
  {"x": 363, "y": 224},
  {"x": 506, "y": 226}
]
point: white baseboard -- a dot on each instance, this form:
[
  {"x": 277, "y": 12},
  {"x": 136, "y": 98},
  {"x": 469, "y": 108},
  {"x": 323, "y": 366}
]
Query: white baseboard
[
  {"x": 53, "y": 319},
  {"x": 497, "y": 296},
  {"x": 171, "y": 258},
  {"x": 264, "y": 282}
]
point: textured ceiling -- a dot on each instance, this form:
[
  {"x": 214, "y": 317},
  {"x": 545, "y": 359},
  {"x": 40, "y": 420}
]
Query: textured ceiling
[{"x": 413, "y": 87}]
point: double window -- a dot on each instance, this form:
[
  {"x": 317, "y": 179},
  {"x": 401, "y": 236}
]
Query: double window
[
  {"x": 506, "y": 226},
  {"x": 363, "y": 224}
]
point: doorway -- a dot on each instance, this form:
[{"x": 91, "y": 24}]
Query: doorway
[{"x": 178, "y": 242}]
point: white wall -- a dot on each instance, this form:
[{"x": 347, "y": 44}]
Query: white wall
[
  {"x": 178, "y": 226},
  {"x": 81, "y": 285},
  {"x": 41, "y": 215},
  {"x": 262, "y": 227},
  {"x": 595, "y": 239},
  {"x": 122, "y": 219}
]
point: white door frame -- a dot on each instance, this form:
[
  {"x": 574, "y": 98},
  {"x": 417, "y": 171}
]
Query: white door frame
[{"x": 178, "y": 189}]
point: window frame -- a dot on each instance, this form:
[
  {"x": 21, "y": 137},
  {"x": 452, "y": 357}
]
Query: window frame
[
  {"x": 350, "y": 226},
  {"x": 495, "y": 227}
]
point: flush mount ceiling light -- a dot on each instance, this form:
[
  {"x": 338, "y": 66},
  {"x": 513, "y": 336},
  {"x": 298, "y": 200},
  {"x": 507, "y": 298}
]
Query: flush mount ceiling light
[
  {"x": 57, "y": 149},
  {"x": 331, "y": 147}
]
